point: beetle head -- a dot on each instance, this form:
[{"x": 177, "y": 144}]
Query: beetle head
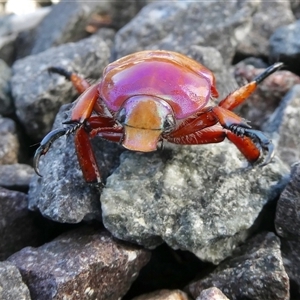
[{"x": 144, "y": 119}]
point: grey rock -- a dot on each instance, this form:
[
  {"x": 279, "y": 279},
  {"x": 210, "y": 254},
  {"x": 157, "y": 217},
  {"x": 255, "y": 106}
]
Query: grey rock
[
  {"x": 287, "y": 214},
  {"x": 18, "y": 225},
  {"x": 212, "y": 293},
  {"x": 191, "y": 197},
  {"x": 6, "y": 103},
  {"x": 11, "y": 284},
  {"x": 83, "y": 264},
  {"x": 11, "y": 26},
  {"x": 68, "y": 20},
  {"x": 285, "y": 44},
  {"x": 7, "y": 48},
  {"x": 283, "y": 126},
  {"x": 16, "y": 176},
  {"x": 291, "y": 253},
  {"x": 256, "y": 43},
  {"x": 62, "y": 193},
  {"x": 295, "y": 5},
  {"x": 171, "y": 26},
  {"x": 38, "y": 95},
  {"x": 9, "y": 144},
  {"x": 255, "y": 271}
]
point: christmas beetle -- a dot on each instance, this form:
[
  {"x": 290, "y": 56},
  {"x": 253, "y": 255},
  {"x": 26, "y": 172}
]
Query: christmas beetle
[{"x": 150, "y": 96}]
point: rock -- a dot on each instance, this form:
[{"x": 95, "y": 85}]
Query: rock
[
  {"x": 291, "y": 252},
  {"x": 18, "y": 227},
  {"x": 11, "y": 26},
  {"x": 287, "y": 219},
  {"x": 254, "y": 272},
  {"x": 39, "y": 95},
  {"x": 164, "y": 295},
  {"x": 6, "y": 104},
  {"x": 83, "y": 264},
  {"x": 9, "y": 144},
  {"x": 260, "y": 105},
  {"x": 11, "y": 284},
  {"x": 283, "y": 126},
  {"x": 256, "y": 43},
  {"x": 192, "y": 198},
  {"x": 212, "y": 294},
  {"x": 62, "y": 193},
  {"x": 68, "y": 20},
  {"x": 16, "y": 176},
  {"x": 171, "y": 26},
  {"x": 285, "y": 45}
]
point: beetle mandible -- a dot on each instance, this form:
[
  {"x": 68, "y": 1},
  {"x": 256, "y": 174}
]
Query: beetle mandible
[{"x": 150, "y": 96}]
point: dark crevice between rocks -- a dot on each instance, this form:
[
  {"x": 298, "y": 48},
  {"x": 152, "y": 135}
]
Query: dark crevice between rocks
[{"x": 171, "y": 270}]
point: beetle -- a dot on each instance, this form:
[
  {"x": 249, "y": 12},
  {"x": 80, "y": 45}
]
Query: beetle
[{"x": 150, "y": 96}]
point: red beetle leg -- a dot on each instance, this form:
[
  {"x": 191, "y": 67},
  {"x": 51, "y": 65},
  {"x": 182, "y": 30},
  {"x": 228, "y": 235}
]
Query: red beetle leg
[
  {"x": 85, "y": 154},
  {"x": 201, "y": 120},
  {"x": 216, "y": 134},
  {"x": 240, "y": 95},
  {"x": 105, "y": 127},
  {"x": 213, "y": 134},
  {"x": 246, "y": 146},
  {"x": 228, "y": 118},
  {"x": 238, "y": 127},
  {"x": 85, "y": 104},
  {"x": 79, "y": 83},
  {"x": 86, "y": 157},
  {"x": 113, "y": 134}
]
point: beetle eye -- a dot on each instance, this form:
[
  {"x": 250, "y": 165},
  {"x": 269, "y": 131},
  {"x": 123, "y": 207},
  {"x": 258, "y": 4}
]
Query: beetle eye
[
  {"x": 169, "y": 123},
  {"x": 121, "y": 116}
]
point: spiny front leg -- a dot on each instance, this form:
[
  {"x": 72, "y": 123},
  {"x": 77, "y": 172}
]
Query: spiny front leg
[{"x": 240, "y": 128}]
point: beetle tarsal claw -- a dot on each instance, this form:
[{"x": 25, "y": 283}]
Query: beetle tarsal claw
[
  {"x": 264, "y": 142},
  {"x": 45, "y": 145}
]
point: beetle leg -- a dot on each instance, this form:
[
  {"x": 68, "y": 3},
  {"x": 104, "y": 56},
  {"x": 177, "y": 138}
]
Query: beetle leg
[
  {"x": 79, "y": 83},
  {"x": 240, "y": 95},
  {"x": 216, "y": 134},
  {"x": 239, "y": 127},
  {"x": 84, "y": 150},
  {"x": 45, "y": 145}
]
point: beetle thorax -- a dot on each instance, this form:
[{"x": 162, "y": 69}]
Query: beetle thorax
[{"x": 144, "y": 119}]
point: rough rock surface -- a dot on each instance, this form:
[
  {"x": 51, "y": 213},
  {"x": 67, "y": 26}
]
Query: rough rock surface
[
  {"x": 69, "y": 19},
  {"x": 284, "y": 44},
  {"x": 287, "y": 212},
  {"x": 255, "y": 272},
  {"x": 6, "y": 105},
  {"x": 222, "y": 25},
  {"x": 18, "y": 227},
  {"x": 9, "y": 143},
  {"x": 16, "y": 176},
  {"x": 283, "y": 126},
  {"x": 212, "y": 294},
  {"x": 172, "y": 196},
  {"x": 62, "y": 193},
  {"x": 82, "y": 264},
  {"x": 39, "y": 95},
  {"x": 256, "y": 42},
  {"x": 11, "y": 284}
]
